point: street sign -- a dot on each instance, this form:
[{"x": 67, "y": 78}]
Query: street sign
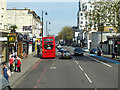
[{"x": 11, "y": 38}]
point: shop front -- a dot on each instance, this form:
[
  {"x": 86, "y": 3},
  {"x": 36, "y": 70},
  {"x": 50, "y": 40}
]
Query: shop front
[
  {"x": 12, "y": 43},
  {"x": 3, "y": 49},
  {"x": 15, "y": 42},
  {"x": 113, "y": 44}
]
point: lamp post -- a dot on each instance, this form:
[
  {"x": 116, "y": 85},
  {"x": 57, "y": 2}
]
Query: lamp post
[{"x": 42, "y": 21}]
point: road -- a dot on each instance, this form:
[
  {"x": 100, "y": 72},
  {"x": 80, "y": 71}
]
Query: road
[{"x": 78, "y": 72}]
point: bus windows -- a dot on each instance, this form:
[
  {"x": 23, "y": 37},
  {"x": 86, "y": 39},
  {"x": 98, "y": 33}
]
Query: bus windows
[{"x": 48, "y": 47}]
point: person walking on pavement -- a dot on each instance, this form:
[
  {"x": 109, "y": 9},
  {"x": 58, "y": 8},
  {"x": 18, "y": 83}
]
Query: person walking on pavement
[
  {"x": 16, "y": 59},
  {"x": 11, "y": 60},
  {"x": 19, "y": 65},
  {"x": 98, "y": 51},
  {"x": 115, "y": 49},
  {"x": 6, "y": 72}
]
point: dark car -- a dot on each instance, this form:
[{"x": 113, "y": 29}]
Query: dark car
[
  {"x": 66, "y": 54},
  {"x": 93, "y": 51},
  {"x": 4, "y": 84},
  {"x": 78, "y": 51}
]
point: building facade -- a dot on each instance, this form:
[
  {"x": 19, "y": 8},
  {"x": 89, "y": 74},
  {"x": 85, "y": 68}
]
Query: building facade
[
  {"x": 3, "y": 32},
  {"x": 3, "y": 15},
  {"x": 83, "y": 19},
  {"x": 25, "y": 20},
  {"x": 28, "y": 23}
]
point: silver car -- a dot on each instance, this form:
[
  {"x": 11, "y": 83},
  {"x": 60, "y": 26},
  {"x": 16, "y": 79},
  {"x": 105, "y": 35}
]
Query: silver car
[{"x": 4, "y": 84}]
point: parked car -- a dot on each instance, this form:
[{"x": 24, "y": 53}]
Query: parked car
[
  {"x": 4, "y": 84},
  {"x": 78, "y": 51},
  {"x": 93, "y": 51},
  {"x": 66, "y": 54},
  {"x": 85, "y": 49}
]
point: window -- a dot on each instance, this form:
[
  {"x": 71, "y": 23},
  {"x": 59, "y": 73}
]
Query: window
[
  {"x": 81, "y": 14},
  {"x": 81, "y": 22},
  {"x": 48, "y": 39},
  {"x": 48, "y": 47},
  {"x": 81, "y": 18},
  {"x": 107, "y": 24}
]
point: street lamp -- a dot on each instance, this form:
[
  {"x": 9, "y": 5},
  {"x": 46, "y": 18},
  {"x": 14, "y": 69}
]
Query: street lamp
[{"x": 42, "y": 21}]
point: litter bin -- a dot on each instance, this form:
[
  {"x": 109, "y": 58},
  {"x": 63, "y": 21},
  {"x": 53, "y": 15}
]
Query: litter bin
[{"x": 113, "y": 55}]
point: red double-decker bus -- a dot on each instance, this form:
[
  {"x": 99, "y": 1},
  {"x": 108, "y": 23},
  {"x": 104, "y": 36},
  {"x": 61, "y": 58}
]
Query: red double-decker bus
[{"x": 48, "y": 47}]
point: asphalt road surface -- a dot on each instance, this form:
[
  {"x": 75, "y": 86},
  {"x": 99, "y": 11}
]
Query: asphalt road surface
[{"x": 78, "y": 72}]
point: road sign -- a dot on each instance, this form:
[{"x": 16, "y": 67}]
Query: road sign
[{"x": 11, "y": 38}]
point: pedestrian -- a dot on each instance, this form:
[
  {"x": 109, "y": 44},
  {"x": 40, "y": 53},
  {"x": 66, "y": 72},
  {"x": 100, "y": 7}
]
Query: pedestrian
[
  {"x": 24, "y": 53},
  {"x": 38, "y": 50},
  {"x": 98, "y": 52},
  {"x": 15, "y": 61},
  {"x": 11, "y": 60},
  {"x": 115, "y": 50},
  {"x": 18, "y": 65},
  {"x": 6, "y": 72}
]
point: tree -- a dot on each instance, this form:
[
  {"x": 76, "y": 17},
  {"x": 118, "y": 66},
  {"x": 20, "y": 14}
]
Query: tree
[
  {"x": 119, "y": 17},
  {"x": 13, "y": 27},
  {"x": 66, "y": 33}
]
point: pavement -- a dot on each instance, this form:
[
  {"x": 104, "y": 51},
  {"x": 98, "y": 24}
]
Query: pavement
[
  {"x": 78, "y": 72},
  {"x": 104, "y": 55},
  {"x": 110, "y": 56},
  {"x": 27, "y": 64}
]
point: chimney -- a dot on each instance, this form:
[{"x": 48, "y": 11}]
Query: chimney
[
  {"x": 14, "y": 8},
  {"x": 26, "y": 8}
]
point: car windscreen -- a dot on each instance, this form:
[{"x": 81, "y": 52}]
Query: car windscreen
[{"x": 48, "y": 47}]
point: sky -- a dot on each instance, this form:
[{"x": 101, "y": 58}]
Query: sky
[{"x": 60, "y": 14}]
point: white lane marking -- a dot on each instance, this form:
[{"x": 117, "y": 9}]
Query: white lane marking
[
  {"x": 100, "y": 61},
  {"x": 76, "y": 62},
  {"x": 52, "y": 67},
  {"x": 95, "y": 88},
  {"x": 88, "y": 78},
  {"x": 80, "y": 67}
]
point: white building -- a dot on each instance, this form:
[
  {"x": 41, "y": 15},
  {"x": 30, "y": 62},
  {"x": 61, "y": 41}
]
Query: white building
[
  {"x": 3, "y": 19},
  {"x": 25, "y": 20},
  {"x": 83, "y": 19}
]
